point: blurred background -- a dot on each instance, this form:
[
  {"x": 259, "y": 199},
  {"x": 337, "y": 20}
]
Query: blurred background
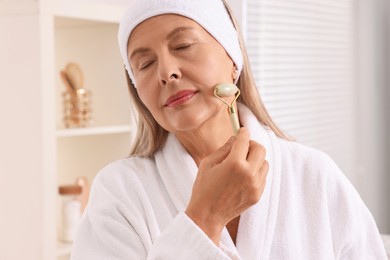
[{"x": 322, "y": 68}]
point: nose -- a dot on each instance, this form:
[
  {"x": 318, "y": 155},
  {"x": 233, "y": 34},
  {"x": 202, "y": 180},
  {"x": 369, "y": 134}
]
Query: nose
[{"x": 168, "y": 69}]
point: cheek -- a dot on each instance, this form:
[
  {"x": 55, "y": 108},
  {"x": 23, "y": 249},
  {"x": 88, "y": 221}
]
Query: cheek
[
  {"x": 216, "y": 69},
  {"x": 147, "y": 98}
]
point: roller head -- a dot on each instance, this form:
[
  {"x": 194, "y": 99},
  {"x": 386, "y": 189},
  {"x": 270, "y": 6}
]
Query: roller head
[{"x": 225, "y": 90}]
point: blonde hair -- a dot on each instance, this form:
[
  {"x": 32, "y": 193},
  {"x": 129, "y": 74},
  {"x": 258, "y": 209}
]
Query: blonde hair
[{"x": 151, "y": 136}]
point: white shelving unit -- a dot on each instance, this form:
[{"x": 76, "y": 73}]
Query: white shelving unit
[
  {"x": 102, "y": 11},
  {"x": 89, "y": 131},
  {"x": 86, "y": 33}
]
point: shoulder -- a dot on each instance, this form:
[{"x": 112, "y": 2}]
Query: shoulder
[
  {"x": 316, "y": 171},
  {"x": 125, "y": 169},
  {"x": 329, "y": 200},
  {"x": 307, "y": 158},
  {"x": 124, "y": 178}
]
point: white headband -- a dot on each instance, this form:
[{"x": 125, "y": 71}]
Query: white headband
[{"x": 210, "y": 14}]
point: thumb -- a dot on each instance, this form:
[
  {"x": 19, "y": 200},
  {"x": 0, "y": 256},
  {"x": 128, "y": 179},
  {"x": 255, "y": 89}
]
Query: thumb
[{"x": 219, "y": 155}]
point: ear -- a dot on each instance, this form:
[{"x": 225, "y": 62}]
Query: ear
[{"x": 234, "y": 73}]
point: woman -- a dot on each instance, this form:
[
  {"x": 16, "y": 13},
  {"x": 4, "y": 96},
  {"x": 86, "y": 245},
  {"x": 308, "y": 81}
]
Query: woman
[{"x": 191, "y": 190}]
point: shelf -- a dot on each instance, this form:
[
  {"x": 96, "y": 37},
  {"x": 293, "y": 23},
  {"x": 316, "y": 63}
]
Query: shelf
[
  {"x": 83, "y": 32},
  {"x": 88, "y": 10},
  {"x": 88, "y": 131}
]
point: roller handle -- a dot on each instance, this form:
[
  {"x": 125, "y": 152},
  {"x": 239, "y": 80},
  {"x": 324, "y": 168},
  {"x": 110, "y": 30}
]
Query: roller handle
[{"x": 234, "y": 120}]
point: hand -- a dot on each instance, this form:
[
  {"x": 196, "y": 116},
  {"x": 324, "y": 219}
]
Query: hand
[{"x": 229, "y": 181}]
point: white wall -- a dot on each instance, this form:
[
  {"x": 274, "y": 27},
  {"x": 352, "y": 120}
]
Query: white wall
[
  {"x": 387, "y": 111},
  {"x": 373, "y": 173},
  {"x": 21, "y": 162}
]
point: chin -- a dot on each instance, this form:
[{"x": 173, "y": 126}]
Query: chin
[{"x": 201, "y": 115}]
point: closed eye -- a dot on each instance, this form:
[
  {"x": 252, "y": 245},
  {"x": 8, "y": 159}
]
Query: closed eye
[
  {"x": 183, "y": 46},
  {"x": 146, "y": 65}
]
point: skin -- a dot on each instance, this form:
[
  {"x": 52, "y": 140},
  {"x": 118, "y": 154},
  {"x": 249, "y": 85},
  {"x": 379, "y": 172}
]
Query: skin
[{"x": 171, "y": 53}]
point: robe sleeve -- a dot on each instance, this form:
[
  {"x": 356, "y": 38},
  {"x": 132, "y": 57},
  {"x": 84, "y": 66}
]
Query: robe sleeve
[
  {"x": 183, "y": 239},
  {"x": 120, "y": 226},
  {"x": 355, "y": 233}
]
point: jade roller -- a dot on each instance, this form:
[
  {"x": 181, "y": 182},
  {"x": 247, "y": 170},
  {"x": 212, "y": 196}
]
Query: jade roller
[{"x": 228, "y": 90}]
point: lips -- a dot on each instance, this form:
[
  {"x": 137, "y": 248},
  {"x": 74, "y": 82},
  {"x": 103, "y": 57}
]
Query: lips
[{"x": 180, "y": 98}]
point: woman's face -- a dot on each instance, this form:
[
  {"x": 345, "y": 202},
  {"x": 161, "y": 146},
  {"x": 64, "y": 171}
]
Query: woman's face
[{"x": 176, "y": 65}]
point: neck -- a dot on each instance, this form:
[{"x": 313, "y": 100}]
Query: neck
[{"x": 208, "y": 138}]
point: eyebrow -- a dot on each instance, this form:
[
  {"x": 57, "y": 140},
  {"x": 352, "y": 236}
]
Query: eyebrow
[
  {"x": 177, "y": 30},
  {"x": 169, "y": 36},
  {"x": 137, "y": 51}
]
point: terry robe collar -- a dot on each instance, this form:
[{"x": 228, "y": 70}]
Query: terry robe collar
[{"x": 256, "y": 228}]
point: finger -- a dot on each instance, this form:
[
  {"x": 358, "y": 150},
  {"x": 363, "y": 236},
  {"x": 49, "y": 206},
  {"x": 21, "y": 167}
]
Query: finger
[
  {"x": 262, "y": 174},
  {"x": 256, "y": 154},
  {"x": 264, "y": 170},
  {"x": 219, "y": 155},
  {"x": 241, "y": 145}
]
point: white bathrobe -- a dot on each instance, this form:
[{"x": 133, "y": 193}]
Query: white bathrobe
[{"x": 309, "y": 210}]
